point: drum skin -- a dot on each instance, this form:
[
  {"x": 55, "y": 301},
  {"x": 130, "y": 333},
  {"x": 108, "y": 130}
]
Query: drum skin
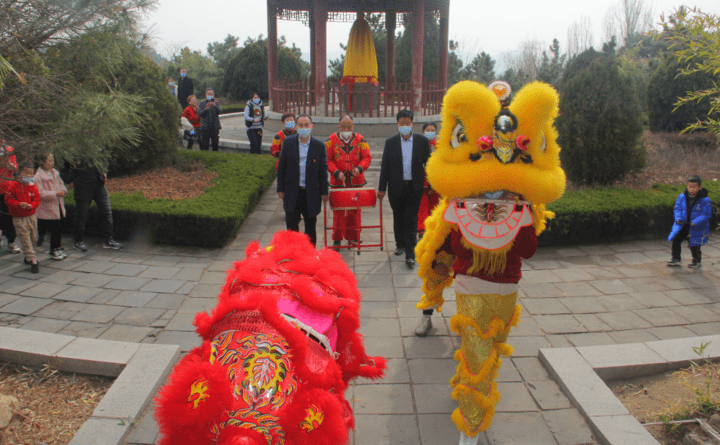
[{"x": 352, "y": 198}]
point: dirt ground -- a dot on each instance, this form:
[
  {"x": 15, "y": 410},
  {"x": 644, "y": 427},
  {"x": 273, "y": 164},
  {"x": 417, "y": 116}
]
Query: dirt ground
[
  {"x": 53, "y": 404},
  {"x": 676, "y": 395}
]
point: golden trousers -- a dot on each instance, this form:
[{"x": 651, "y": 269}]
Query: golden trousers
[{"x": 485, "y": 313}]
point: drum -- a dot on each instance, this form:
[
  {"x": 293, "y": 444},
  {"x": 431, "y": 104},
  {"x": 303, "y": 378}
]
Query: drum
[{"x": 352, "y": 198}]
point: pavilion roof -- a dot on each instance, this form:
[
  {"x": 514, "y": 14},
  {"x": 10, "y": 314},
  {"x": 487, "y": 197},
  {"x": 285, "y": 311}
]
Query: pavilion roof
[{"x": 345, "y": 10}]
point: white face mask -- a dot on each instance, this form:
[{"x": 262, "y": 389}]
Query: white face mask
[
  {"x": 405, "y": 130},
  {"x": 345, "y": 135}
]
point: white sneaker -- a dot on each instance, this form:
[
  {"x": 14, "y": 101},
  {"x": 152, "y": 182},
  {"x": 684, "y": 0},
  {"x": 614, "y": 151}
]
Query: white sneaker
[
  {"x": 467, "y": 440},
  {"x": 13, "y": 248}
]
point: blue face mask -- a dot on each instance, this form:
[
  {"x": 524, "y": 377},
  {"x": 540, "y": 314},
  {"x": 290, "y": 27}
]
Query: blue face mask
[
  {"x": 28, "y": 180},
  {"x": 209, "y": 98},
  {"x": 304, "y": 132},
  {"x": 290, "y": 125},
  {"x": 171, "y": 83},
  {"x": 257, "y": 101},
  {"x": 183, "y": 74},
  {"x": 405, "y": 130},
  {"x": 430, "y": 135}
]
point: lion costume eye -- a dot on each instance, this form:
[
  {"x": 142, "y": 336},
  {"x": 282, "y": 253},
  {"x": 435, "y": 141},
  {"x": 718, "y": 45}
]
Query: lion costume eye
[{"x": 459, "y": 136}]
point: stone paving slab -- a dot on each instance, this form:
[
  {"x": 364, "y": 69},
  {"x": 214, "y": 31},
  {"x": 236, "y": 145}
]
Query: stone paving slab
[{"x": 577, "y": 296}]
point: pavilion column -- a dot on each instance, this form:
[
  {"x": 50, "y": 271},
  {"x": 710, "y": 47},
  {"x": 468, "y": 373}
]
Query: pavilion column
[
  {"x": 390, "y": 23},
  {"x": 311, "y": 24},
  {"x": 443, "y": 53},
  {"x": 417, "y": 54},
  {"x": 272, "y": 54},
  {"x": 320, "y": 46}
]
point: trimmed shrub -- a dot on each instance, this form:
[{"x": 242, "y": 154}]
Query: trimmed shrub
[
  {"x": 247, "y": 72},
  {"x": 210, "y": 220},
  {"x": 599, "y": 125},
  {"x": 609, "y": 214},
  {"x": 666, "y": 86}
]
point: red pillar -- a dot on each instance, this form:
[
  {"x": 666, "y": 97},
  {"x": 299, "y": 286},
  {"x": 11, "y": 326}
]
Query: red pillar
[
  {"x": 443, "y": 54},
  {"x": 417, "y": 54},
  {"x": 390, "y": 23},
  {"x": 311, "y": 24},
  {"x": 320, "y": 46},
  {"x": 272, "y": 54}
]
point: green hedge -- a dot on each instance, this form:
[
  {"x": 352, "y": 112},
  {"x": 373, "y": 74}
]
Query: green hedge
[
  {"x": 233, "y": 109},
  {"x": 605, "y": 214},
  {"x": 210, "y": 220}
]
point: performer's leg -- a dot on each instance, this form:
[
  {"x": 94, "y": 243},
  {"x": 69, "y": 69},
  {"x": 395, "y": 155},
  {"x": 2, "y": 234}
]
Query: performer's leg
[
  {"x": 339, "y": 221},
  {"x": 352, "y": 222},
  {"x": 483, "y": 321}
]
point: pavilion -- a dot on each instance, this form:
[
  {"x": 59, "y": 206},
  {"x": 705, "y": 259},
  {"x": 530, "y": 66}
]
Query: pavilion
[{"x": 318, "y": 98}]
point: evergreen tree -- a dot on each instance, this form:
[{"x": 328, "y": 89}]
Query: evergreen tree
[
  {"x": 665, "y": 89},
  {"x": 551, "y": 69},
  {"x": 247, "y": 72},
  {"x": 480, "y": 69},
  {"x": 599, "y": 123}
]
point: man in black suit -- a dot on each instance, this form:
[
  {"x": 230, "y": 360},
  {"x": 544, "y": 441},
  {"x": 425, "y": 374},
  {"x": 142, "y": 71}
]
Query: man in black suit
[
  {"x": 185, "y": 88},
  {"x": 302, "y": 179},
  {"x": 403, "y": 170}
]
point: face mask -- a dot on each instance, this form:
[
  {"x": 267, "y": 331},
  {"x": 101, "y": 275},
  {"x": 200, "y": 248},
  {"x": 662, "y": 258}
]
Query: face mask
[
  {"x": 405, "y": 130},
  {"x": 209, "y": 98},
  {"x": 28, "y": 179},
  {"x": 257, "y": 101},
  {"x": 183, "y": 74},
  {"x": 171, "y": 83},
  {"x": 304, "y": 132},
  {"x": 345, "y": 134},
  {"x": 430, "y": 135},
  {"x": 290, "y": 125}
]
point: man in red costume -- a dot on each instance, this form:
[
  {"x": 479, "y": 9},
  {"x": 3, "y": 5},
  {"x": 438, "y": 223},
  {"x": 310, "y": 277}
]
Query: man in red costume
[
  {"x": 288, "y": 121},
  {"x": 348, "y": 156}
]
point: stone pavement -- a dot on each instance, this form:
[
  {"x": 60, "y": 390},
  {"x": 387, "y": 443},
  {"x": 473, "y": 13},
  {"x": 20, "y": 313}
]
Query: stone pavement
[{"x": 579, "y": 296}]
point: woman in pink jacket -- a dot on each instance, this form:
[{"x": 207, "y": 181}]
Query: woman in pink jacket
[{"x": 52, "y": 205}]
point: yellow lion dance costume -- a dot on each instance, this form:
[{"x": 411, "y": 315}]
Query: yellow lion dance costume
[{"x": 496, "y": 165}]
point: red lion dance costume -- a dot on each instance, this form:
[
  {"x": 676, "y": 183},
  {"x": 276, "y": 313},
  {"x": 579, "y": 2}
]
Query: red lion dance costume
[
  {"x": 278, "y": 352},
  {"x": 496, "y": 165}
]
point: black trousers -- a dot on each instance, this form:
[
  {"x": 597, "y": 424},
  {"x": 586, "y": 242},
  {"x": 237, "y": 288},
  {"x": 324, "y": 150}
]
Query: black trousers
[
  {"x": 54, "y": 226},
  {"x": 405, "y": 215},
  {"x": 255, "y": 137},
  {"x": 292, "y": 219},
  {"x": 84, "y": 195},
  {"x": 679, "y": 238},
  {"x": 6, "y": 221},
  {"x": 207, "y": 136}
]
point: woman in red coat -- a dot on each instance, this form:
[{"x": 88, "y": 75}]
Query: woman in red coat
[
  {"x": 430, "y": 198},
  {"x": 190, "y": 113}
]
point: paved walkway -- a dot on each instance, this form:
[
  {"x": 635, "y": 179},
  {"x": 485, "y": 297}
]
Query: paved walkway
[{"x": 583, "y": 295}]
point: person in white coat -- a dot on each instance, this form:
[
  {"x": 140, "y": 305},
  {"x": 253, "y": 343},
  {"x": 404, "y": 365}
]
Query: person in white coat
[{"x": 52, "y": 205}]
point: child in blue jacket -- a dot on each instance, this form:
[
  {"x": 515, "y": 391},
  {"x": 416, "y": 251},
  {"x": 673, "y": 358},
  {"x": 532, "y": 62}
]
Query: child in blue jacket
[{"x": 692, "y": 219}]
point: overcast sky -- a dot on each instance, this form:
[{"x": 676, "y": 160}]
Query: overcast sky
[{"x": 494, "y": 27}]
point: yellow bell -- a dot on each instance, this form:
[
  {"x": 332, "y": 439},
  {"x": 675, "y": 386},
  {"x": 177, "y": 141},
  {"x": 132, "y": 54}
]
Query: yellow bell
[{"x": 360, "y": 58}]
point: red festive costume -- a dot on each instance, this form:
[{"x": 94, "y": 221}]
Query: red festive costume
[
  {"x": 277, "y": 143},
  {"x": 343, "y": 157},
  {"x": 190, "y": 113},
  {"x": 429, "y": 200},
  {"x": 278, "y": 353}
]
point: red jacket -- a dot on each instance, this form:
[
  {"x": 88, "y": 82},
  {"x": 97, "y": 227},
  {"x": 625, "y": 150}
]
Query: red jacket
[
  {"x": 8, "y": 166},
  {"x": 277, "y": 143},
  {"x": 344, "y": 156},
  {"x": 17, "y": 193},
  {"x": 525, "y": 245},
  {"x": 190, "y": 113}
]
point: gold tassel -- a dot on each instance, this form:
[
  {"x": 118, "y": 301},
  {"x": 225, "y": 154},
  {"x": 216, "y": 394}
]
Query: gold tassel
[{"x": 488, "y": 261}]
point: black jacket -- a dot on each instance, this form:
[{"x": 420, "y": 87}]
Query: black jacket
[
  {"x": 185, "y": 89},
  {"x": 288, "y": 174},
  {"x": 209, "y": 117},
  {"x": 391, "y": 167}
]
